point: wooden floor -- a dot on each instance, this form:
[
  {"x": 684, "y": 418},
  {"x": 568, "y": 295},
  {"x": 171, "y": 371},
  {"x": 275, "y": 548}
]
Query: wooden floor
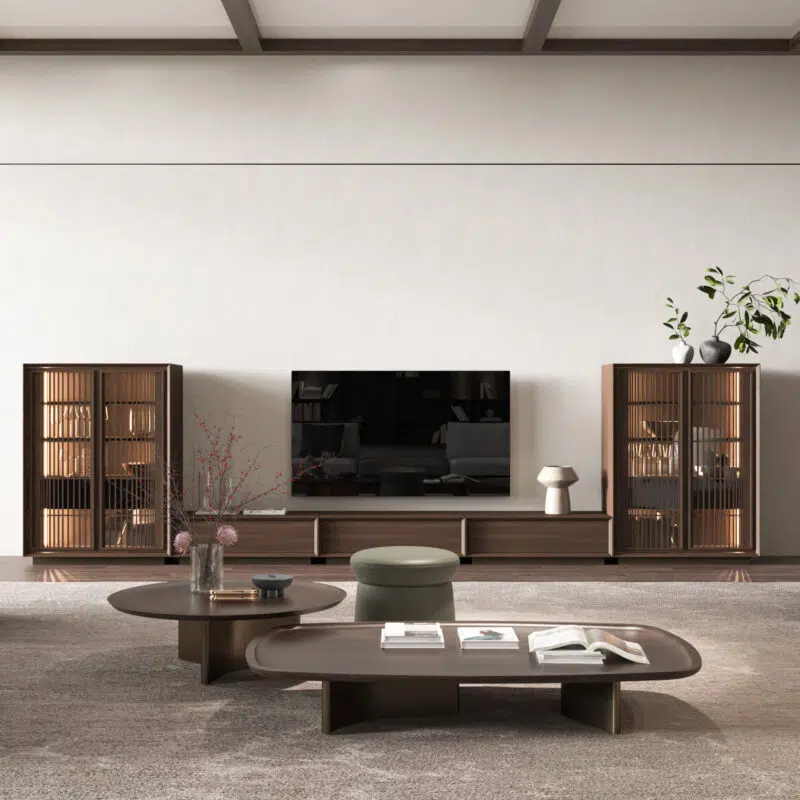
[{"x": 14, "y": 568}]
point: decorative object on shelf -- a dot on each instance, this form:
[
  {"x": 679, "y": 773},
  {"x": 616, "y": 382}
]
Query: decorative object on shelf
[
  {"x": 207, "y": 567},
  {"x": 715, "y": 351},
  {"x": 234, "y": 595},
  {"x": 272, "y": 585},
  {"x": 682, "y": 351},
  {"x": 557, "y": 480},
  {"x": 662, "y": 429},
  {"x": 706, "y": 455},
  {"x": 751, "y": 309}
]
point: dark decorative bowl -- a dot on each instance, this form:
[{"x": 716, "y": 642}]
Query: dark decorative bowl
[{"x": 271, "y": 584}]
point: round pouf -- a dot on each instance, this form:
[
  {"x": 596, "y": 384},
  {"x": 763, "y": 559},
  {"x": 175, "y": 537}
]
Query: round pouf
[{"x": 404, "y": 584}]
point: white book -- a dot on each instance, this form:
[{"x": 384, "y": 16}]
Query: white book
[
  {"x": 488, "y": 637},
  {"x": 412, "y": 643},
  {"x": 586, "y": 639},
  {"x": 411, "y": 630},
  {"x": 573, "y": 657}
]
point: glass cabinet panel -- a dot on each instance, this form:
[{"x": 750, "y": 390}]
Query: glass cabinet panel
[
  {"x": 64, "y": 467},
  {"x": 133, "y": 461},
  {"x": 652, "y": 421},
  {"x": 721, "y": 460}
]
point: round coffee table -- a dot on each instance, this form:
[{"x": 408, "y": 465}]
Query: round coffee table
[{"x": 215, "y": 634}]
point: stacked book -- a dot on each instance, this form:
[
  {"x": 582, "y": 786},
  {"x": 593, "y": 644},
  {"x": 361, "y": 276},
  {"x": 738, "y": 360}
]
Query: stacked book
[
  {"x": 572, "y": 644},
  {"x": 216, "y": 595},
  {"x": 412, "y": 636},
  {"x": 488, "y": 638}
]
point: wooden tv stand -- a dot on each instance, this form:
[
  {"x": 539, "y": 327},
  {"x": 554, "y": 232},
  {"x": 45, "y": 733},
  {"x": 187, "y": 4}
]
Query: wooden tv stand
[{"x": 480, "y": 534}]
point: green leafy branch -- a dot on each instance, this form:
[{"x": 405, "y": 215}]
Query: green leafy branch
[
  {"x": 677, "y": 322},
  {"x": 752, "y": 310}
]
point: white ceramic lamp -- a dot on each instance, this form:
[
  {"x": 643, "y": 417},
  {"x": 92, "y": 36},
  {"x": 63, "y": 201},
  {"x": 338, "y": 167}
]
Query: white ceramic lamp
[{"x": 557, "y": 480}]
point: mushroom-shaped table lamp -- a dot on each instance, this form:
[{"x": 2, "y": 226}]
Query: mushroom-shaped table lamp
[{"x": 557, "y": 480}]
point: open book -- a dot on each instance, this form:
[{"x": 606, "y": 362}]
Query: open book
[{"x": 574, "y": 637}]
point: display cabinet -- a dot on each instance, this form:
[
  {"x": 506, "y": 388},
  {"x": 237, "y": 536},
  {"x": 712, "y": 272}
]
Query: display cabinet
[
  {"x": 680, "y": 458},
  {"x": 98, "y": 442}
]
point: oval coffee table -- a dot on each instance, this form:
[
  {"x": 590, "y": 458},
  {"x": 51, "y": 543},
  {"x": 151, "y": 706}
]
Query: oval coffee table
[
  {"x": 360, "y": 681},
  {"x": 215, "y": 634}
]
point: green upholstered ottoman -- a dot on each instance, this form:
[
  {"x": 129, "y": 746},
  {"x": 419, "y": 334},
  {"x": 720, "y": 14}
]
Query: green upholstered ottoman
[{"x": 404, "y": 584}]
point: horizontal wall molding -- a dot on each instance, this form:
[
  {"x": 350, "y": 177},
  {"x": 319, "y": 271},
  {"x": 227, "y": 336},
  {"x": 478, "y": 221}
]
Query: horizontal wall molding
[
  {"x": 394, "y": 47},
  {"x": 577, "y": 109}
]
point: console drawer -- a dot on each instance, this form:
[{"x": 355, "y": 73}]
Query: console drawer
[
  {"x": 273, "y": 537},
  {"x": 343, "y": 537},
  {"x": 556, "y": 538}
]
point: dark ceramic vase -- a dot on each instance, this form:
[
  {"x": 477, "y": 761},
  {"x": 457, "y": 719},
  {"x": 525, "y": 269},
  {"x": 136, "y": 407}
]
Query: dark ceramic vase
[{"x": 715, "y": 351}]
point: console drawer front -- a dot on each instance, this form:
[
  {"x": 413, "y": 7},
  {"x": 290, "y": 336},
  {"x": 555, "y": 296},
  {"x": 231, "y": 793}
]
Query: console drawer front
[
  {"x": 343, "y": 537},
  {"x": 557, "y": 538},
  {"x": 274, "y": 537}
]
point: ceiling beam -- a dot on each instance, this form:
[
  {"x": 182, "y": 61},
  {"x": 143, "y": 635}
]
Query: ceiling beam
[
  {"x": 392, "y": 46},
  {"x": 120, "y": 47},
  {"x": 399, "y": 47},
  {"x": 539, "y": 23},
  {"x": 667, "y": 46},
  {"x": 243, "y": 20}
]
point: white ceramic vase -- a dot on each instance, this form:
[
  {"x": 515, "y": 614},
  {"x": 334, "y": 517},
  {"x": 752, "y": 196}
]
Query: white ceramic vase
[
  {"x": 557, "y": 480},
  {"x": 682, "y": 353}
]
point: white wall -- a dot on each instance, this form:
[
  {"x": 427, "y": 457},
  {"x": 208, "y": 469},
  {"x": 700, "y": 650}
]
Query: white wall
[{"x": 243, "y": 272}]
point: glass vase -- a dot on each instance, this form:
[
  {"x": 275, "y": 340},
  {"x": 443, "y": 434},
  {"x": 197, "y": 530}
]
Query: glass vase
[{"x": 207, "y": 564}]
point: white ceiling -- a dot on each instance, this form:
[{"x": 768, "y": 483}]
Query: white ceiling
[
  {"x": 114, "y": 19},
  {"x": 604, "y": 19},
  {"x": 324, "y": 19},
  {"x": 666, "y": 19}
]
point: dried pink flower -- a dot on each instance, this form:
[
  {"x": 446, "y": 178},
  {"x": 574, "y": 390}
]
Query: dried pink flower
[
  {"x": 226, "y": 535},
  {"x": 182, "y": 542}
]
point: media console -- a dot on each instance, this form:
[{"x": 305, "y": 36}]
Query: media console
[{"x": 479, "y": 534}]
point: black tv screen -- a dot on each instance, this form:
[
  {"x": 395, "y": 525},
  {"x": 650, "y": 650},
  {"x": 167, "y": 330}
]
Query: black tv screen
[{"x": 401, "y": 434}]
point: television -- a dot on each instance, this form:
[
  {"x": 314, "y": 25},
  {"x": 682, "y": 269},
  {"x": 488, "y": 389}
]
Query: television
[{"x": 401, "y": 434}]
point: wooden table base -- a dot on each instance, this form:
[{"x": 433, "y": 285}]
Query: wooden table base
[
  {"x": 219, "y": 645},
  {"x": 596, "y": 704},
  {"x": 348, "y": 702}
]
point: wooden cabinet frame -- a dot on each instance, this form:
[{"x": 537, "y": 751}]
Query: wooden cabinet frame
[
  {"x": 696, "y": 493},
  {"x": 73, "y": 415}
]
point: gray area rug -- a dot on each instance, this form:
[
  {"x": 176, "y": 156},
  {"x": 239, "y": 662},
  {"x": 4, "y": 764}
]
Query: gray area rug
[{"x": 96, "y": 704}]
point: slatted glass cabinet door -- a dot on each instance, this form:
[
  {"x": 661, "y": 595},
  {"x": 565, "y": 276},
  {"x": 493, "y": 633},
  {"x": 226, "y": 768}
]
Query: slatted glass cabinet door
[
  {"x": 649, "y": 417},
  {"x": 60, "y": 459},
  {"x": 133, "y": 460},
  {"x": 722, "y": 464}
]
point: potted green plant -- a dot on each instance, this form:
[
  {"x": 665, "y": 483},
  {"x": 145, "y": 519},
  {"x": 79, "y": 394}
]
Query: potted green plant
[
  {"x": 682, "y": 351},
  {"x": 757, "y": 308}
]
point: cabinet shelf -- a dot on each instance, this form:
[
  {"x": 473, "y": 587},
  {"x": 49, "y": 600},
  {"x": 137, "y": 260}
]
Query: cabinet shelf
[{"x": 698, "y": 441}]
